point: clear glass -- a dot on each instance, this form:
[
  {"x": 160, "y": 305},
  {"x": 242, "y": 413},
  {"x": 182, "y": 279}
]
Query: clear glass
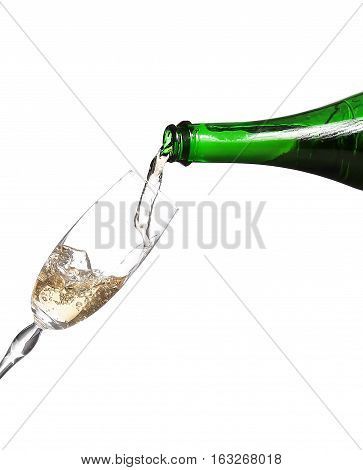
[{"x": 93, "y": 261}]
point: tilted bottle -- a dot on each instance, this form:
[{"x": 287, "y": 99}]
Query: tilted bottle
[{"x": 327, "y": 141}]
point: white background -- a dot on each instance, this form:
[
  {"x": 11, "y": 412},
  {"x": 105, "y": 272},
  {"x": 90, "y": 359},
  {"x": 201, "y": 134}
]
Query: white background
[{"x": 181, "y": 368}]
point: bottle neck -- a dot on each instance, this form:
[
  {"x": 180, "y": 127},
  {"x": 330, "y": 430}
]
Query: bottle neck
[
  {"x": 327, "y": 142},
  {"x": 320, "y": 136}
]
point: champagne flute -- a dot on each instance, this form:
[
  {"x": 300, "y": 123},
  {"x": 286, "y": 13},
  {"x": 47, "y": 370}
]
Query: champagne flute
[{"x": 93, "y": 260}]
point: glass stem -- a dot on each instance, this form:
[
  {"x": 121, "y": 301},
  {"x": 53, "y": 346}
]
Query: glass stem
[{"x": 22, "y": 344}]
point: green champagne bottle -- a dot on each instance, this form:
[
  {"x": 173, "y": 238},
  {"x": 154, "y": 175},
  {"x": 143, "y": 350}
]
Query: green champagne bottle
[{"x": 327, "y": 141}]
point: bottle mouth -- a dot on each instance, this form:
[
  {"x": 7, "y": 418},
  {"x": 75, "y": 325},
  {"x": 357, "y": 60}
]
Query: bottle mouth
[
  {"x": 176, "y": 142},
  {"x": 170, "y": 143}
]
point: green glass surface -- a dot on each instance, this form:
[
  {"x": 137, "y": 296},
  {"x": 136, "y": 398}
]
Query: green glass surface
[{"x": 327, "y": 141}]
